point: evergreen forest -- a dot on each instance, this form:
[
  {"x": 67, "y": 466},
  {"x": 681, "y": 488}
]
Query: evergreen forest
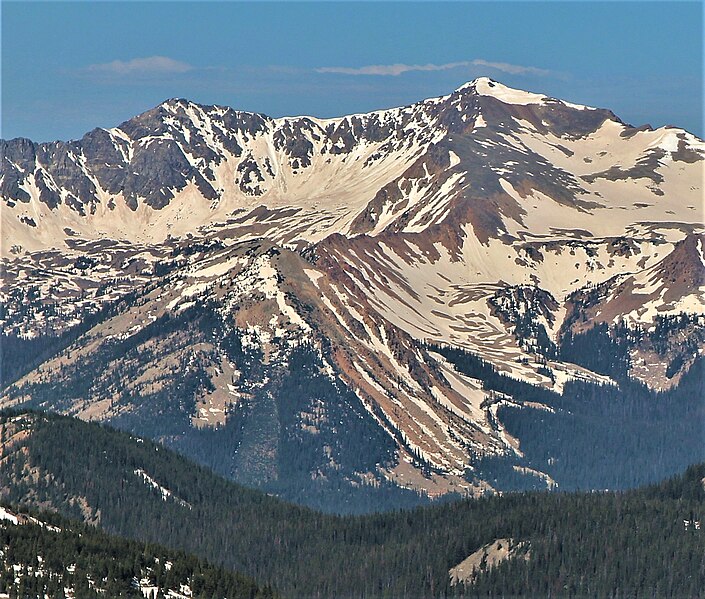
[{"x": 609, "y": 544}]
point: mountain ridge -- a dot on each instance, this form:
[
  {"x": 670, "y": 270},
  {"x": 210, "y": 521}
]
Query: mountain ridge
[
  {"x": 505, "y": 230},
  {"x": 221, "y": 131}
]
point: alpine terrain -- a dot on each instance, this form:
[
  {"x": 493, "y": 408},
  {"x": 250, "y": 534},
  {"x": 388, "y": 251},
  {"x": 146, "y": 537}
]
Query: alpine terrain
[{"x": 488, "y": 290}]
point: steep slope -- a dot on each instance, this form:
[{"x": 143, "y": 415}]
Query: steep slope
[
  {"x": 243, "y": 337},
  {"x": 89, "y": 472},
  {"x": 181, "y": 166},
  {"x": 662, "y": 305},
  {"x": 199, "y": 273}
]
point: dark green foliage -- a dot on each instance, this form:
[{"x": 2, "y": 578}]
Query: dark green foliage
[
  {"x": 52, "y": 560},
  {"x": 492, "y": 380},
  {"x": 601, "y": 349},
  {"x": 597, "y": 544},
  {"x": 677, "y": 338},
  {"x": 605, "y": 349},
  {"x": 325, "y": 436},
  {"x": 294, "y": 431},
  {"x": 521, "y": 307},
  {"x": 606, "y": 545},
  {"x": 284, "y": 434},
  {"x": 598, "y": 436},
  {"x": 82, "y": 379},
  {"x": 300, "y": 435},
  {"x": 19, "y": 356},
  {"x": 607, "y": 437}
]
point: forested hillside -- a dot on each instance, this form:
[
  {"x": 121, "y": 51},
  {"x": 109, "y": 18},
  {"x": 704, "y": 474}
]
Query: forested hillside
[
  {"x": 592, "y": 436},
  {"x": 45, "y": 555},
  {"x": 626, "y": 544}
]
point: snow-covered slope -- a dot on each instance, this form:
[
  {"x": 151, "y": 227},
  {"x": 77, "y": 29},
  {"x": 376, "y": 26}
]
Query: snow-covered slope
[
  {"x": 491, "y": 219},
  {"x": 182, "y": 166}
]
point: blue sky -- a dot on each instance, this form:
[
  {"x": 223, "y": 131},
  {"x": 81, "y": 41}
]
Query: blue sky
[{"x": 70, "y": 66}]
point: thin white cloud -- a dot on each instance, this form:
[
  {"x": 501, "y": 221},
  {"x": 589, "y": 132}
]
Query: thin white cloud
[
  {"x": 150, "y": 65},
  {"x": 395, "y": 70},
  {"x": 391, "y": 69},
  {"x": 512, "y": 69}
]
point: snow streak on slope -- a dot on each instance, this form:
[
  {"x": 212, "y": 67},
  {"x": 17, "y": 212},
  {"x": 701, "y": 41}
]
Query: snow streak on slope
[
  {"x": 435, "y": 410},
  {"x": 456, "y": 220},
  {"x": 228, "y": 163},
  {"x": 303, "y": 178},
  {"x": 165, "y": 493},
  {"x": 442, "y": 299}
]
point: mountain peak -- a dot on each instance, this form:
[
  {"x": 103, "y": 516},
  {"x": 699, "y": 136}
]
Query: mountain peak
[
  {"x": 209, "y": 264},
  {"x": 472, "y": 84},
  {"x": 485, "y": 86}
]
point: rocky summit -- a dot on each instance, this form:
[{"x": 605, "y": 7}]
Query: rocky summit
[{"x": 424, "y": 299}]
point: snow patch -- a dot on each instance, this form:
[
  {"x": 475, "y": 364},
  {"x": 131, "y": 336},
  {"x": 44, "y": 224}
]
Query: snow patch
[
  {"x": 165, "y": 493},
  {"x": 486, "y": 87},
  {"x": 9, "y": 516}
]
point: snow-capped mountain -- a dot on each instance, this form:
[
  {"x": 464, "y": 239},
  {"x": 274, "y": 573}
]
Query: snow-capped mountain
[
  {"x": 205, "y": 257},
  {"x": 180, "y": 166}
]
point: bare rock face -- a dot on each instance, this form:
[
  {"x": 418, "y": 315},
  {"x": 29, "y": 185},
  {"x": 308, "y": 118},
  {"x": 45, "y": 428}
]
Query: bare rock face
[
  {"x": 486, "y": 558},
  {"x": 295, "y": 286}
]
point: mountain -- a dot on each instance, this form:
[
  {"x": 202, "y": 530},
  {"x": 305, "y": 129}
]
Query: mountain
[
  {"x": 538, "y": 544},
  {"x": 271, "y": 296}
]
